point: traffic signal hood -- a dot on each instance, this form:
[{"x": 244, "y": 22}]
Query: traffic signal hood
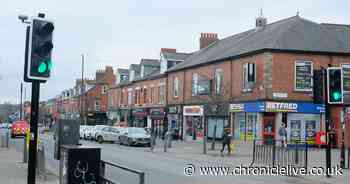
[
  {"x": 39, "y": 49},
  {"x": 335, "y": 85}
]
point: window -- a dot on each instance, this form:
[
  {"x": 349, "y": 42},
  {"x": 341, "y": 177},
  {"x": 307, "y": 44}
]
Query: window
[
  {"x": 176, "y": 87},
  {"x": 248, "y": 76},
  {"x": 152, "y": 94},
  {"x": 218, "y": 81},
  {"x": 145, "y": 95},
  {"x": 346, "y": 78},
  {"x": 104, "y": 89},
  {"x": 200, "y": 85},
  {"x": 161, "y": 94},
  {"x": 303, "y": 75},
  {"x": 194, "y": 84},
  {"x": 129, "y": 97},
  {"x": 97, "y": 105}
]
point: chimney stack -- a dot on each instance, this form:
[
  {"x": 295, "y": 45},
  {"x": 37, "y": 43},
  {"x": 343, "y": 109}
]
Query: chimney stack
[
  {"x": 169, "y": 50},
  {"x": 207, "y": 39}
]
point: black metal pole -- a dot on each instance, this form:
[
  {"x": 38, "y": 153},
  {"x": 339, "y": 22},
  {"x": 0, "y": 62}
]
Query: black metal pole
[
  {"x": 205, "y": 135},
  {"x": 342, "y": 152},
  {"x": 33, "y": 132},
  {"x": 21, "y": 103},
  {"x": 327, "y": 124}
]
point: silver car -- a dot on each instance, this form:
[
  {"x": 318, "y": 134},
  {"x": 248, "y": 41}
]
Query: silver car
[
  {"x": 107, "y": 133},
  {"x": 135, "y": 136}
]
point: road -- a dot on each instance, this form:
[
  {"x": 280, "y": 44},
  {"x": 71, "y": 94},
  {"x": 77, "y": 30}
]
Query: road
[{"x": 168, "y": 167}]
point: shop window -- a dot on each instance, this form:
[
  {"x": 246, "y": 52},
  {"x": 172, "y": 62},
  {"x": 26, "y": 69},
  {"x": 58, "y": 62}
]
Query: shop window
[
  {"x": 218, "y": 81},
  {"x": 303, "y": 75},
  {"x": 176, "y": 87},
  {"x": 248, "y": 76}
]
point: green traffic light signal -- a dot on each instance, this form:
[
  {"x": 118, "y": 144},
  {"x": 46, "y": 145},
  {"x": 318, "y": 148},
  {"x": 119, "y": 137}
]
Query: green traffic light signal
[
  {"x": 42, "y": 67},
  {"x": 336, "y": 96}
]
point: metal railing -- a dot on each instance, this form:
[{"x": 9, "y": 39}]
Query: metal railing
[
  {"x": 104, "y": 180},
  {"x": 276, "y": 153}
]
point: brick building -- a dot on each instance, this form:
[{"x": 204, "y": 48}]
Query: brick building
[{"x": 252, "y": 83}]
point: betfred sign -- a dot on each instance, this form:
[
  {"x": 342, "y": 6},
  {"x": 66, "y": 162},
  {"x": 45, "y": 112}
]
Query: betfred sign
[
  {"x": 193, "y": 110},
  {"x": 281, "y": 107}
]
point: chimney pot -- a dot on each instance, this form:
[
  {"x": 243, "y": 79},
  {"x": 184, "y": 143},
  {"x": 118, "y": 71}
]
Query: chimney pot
[{"x": 206, "y": 39}]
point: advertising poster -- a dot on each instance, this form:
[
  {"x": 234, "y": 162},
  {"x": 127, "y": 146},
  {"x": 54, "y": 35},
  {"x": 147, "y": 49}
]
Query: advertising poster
[
  {"x": 310, "y": 131},
  {"x": 295, "y": 130}
]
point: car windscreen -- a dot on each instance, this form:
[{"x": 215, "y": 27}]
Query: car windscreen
[{"x": 137, "y": 131}]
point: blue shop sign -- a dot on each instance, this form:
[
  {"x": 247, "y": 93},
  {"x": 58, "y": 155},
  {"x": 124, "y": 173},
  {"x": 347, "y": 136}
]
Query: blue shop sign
[{"x": 270, "y": 106}]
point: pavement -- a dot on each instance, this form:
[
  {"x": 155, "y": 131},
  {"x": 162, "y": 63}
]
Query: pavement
[{"x": 14, "y": 171}]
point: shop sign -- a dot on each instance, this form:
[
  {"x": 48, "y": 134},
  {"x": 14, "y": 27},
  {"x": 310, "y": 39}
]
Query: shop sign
[
  {"x": 280, "y": 95},
  {"x": 174, "y": 109},
  {"x": 281, "y": 107},
  {"x": 193, "y": 110},
  {"x": 236, "y": 107},
  {"x": 157, "y": 113},
  {"x": 139, "y": 112}
]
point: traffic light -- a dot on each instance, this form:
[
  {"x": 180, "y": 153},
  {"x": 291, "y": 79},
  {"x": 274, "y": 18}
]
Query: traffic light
[
  {"x": 335, "y": 85},
  {"x": 39, "y": 62}
]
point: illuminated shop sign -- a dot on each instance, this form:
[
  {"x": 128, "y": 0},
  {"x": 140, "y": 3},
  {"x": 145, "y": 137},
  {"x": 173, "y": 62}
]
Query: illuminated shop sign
[
  {"x": 281, "y": 107},
  {"x": 193, "y": 110},
  {"x": 236, "y": 107}
]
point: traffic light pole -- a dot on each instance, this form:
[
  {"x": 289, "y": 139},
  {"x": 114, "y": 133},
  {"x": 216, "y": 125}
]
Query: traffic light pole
[
  {"x": 33, "y": 132},
  {"x": 327, "y": 124}
]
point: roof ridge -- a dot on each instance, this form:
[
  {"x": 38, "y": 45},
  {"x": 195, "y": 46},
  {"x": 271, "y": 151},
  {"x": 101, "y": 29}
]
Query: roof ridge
[{"x": 331, "y": 24}]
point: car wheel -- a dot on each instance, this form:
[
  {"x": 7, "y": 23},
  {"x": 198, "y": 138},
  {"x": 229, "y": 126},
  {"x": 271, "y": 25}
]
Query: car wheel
[
  {"x": 120, "y": 141},
  {"x": 129, "y": 142},
  {"x": 100, "y": 139}
]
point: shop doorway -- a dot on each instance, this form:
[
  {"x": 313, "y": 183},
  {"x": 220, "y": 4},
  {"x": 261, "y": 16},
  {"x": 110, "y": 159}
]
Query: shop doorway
[
  {"x": 194, "y": 128},
  {"x": 269, "y": 128}
]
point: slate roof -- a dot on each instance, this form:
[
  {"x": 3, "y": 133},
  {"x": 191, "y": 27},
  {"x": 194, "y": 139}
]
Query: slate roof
[
  {"x": 291, "y": 34},
  {"x": 178, "y": 56},
  {"x": 123, "y": 71},
  {"x": 150, "y": 62}
]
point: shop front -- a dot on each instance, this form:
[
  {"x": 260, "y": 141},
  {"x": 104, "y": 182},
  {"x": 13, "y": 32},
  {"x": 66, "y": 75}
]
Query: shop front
[
  {"x": 263, "y": 120},
  {"x": 159, "y": 123},
  {"x": 217, "y": 118},
  {"x": 139, "y": 117},
  {"x": 175, "y": 121},
  {"x": 193, "y": 122}
]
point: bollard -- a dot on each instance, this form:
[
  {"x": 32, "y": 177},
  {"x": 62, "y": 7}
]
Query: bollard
[
  {"x": 165, "y": 143},
  {"x": 41, "y": 160},
  {"x": 25, "y": 150},
  {"x": 169, "y": 140},
  {"x": 214, "y": 139}
]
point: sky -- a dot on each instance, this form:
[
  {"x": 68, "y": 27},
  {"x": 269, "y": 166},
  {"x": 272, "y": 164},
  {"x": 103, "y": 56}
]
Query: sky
[{"x": 118, "y": 33}]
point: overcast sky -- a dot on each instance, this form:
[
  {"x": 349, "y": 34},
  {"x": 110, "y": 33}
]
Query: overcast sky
[{"x": 118, "y": 33}]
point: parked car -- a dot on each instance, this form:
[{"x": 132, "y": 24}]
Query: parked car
[
  {"x": 135, "y": 136},
  {"x": 81, "y": 131},
  {"x": 87, "y": 133},
  {"x": 108, "y": 133},
  {"x": 19, "y": 128},
  {"x": 95, "y": 130}
]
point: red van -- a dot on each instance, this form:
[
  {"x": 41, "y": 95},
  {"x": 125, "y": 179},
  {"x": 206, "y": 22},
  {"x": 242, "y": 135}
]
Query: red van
[{"x": 19, "y": 128}]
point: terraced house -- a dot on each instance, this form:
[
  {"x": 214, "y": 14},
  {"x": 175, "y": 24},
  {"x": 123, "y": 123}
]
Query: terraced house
[{"x": 250, "y": 82}]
